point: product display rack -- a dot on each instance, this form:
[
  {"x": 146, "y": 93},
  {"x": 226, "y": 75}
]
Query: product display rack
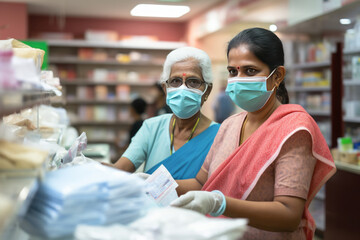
[
  {"x": 301, "y": 94},
  {"x": 130, "y": 68},
  {"x": 20, "y": 185},
  {"x": 317, "y": 206},
  {"x": 21, "y": 191},
  {"x": 12, "y": 101},
  {"x": 339, "y": 205},
  {"x": 352, "y": 90}
]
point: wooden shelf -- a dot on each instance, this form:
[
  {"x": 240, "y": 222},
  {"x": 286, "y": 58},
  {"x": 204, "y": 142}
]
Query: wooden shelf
[
  {"x": 352, "y": 119},
  {"x": 351, "y": 82},
  {"x": 156, "y": 45},
  {"x": 96, "y": 123},
  {"x": 95, "y": 101},
  {"x": 91, "y": 82},
  {"x": 75, "y": 60},
  {"x": 309, "y": 89},
  {"x": 309, "y": 65},
  {"x": 13, "y": 101}
]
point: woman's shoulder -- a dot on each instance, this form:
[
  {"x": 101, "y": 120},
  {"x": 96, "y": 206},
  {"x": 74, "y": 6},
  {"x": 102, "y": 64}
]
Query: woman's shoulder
[
  {"x": 234, "y": 118},
  {"x": 161, "y": 119}
]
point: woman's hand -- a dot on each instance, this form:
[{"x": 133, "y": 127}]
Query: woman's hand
[
  {"x": 142, "y": 175},
  {"x": 107, "y": 164},
  {"x": 202, "y": 202}
]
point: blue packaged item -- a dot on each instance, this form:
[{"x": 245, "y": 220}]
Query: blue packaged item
[{"x": 90, "y": 194}]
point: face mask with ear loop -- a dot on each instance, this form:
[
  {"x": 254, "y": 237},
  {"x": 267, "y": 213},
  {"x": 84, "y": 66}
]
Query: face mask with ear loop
[
  {"x": 184, "y": 102},
  {"x": 249, "y": 93}
]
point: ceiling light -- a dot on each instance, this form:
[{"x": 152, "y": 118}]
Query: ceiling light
[
  {"x": 155, "y": 10},
  {"x": 273, "y": 27},
  {"x": 345, "y": 21}
]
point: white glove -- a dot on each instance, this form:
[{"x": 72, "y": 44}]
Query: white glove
[
  {"x": 213, "y": 203},
  {"x": 142, "y": 175}
]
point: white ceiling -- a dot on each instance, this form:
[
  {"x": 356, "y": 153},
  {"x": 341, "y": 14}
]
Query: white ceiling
[{"x": 110, "y": 8}]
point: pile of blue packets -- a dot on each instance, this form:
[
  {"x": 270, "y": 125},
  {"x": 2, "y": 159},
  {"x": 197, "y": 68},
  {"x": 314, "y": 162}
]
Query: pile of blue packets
[{"x": 89, "y": 194}]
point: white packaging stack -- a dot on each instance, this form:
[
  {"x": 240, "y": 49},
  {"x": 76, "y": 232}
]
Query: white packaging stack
[{"x": 90, "y": 194}]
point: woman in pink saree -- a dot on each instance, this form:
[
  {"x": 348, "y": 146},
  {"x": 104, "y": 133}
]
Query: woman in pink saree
[{"x": 266, "y": 164}]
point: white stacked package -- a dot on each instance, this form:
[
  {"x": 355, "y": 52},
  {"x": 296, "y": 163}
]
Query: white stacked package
[{"x": 90, "y": 194}]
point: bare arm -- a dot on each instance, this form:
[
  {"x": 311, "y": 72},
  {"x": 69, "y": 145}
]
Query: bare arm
[
  {"x": 283, "y": 214},
  {"x": 192, "y": 183},
  {"x": 124, "y": 164}
]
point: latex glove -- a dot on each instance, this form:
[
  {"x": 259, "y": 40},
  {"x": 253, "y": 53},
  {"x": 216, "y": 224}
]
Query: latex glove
[
  {"x": 202, "y": 201},
  {"x": 142, "y": 175}
]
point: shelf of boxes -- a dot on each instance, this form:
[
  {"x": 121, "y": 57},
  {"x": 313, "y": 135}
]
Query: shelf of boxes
[
  {"x": 91, "y": 82},
  {"x": 12, "y": 101},
  {"x": 100, "y": 79},
  {"x": 309, "y": 65},
  {"x": 18, "y": 186},
  {"x": 75, "y": 60},
  {"x": 309, "y": 89},
  {"x": 337, "y": 222}
]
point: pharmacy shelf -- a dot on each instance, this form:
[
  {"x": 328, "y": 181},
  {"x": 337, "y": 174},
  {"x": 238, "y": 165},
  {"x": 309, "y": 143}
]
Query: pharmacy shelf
[
  {"x": 96, "y": 101},
  {"x": 12, "y": 101},
  {"x": 20, "y": 191},
  {"x": 319, "y": 113},
  {"x": 310, "y": 65},
  {"x": 148, "y": 45},
  {"x": 104, "y": 123},
  {"x": 76, "y": 60},
  {"x": 309, "y": 89},
  {"x": 352, "y": 51},
  {"x": 348, "y": 167},
  {"x": 65, "y": 55},
  {"x": 352, "y": 82},
  {"x": 91, "y": 82},
  {"x": 102, "y": 140},
  {"x": 352, "y": 119}
]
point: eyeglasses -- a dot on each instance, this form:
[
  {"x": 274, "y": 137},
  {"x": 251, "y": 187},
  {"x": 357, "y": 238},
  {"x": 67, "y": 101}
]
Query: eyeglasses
[{"x": 190, "y": 82}]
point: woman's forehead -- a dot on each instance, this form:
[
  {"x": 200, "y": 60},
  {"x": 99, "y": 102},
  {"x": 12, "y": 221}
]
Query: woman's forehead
[
  {"x": 242, "y": 55},
  {"x": 187, "y": 66}
]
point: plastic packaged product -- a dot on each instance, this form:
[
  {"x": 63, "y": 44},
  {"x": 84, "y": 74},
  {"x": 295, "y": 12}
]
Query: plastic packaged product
[
  {"x": 168, "y": 223},
  {"x": 69, "y": 196},
  {"x": 78, "y": 146},
  {"x": 7, "y": 75},
  {"x": 345, "y": 144}
]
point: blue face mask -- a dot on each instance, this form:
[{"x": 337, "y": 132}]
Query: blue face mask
[
  {"x": 183, "y": 101},
  {"x": 249, "y": 93}
]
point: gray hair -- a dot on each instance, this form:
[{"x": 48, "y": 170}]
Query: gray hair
[{"x": 184, "y": 53}]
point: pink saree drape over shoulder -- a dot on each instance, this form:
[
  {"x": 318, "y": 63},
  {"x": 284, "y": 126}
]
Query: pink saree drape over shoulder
[{"x": 237, "y": 176}]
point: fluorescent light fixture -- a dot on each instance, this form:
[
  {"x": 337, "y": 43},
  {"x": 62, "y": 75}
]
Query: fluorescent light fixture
[
  {"x": 155, "y": 10},
  {"x": 273, "y": 27},
  {"x": 345, "y": 21}
]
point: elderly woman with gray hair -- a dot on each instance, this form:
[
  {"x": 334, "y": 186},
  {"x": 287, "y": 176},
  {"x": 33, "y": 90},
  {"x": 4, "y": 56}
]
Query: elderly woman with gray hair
[{"x": 180, "y": 141}]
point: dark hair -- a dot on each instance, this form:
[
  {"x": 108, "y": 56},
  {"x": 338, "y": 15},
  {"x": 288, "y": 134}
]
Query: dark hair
[
  {"x": 139, "y": 105},
  {"x": 267, "y": 47}
]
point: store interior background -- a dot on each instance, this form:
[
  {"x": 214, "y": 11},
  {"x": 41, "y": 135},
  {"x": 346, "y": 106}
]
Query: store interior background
[{"x": 305, "y": 26}]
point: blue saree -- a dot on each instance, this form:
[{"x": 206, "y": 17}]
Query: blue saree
[{"x": 186, "y": 161}]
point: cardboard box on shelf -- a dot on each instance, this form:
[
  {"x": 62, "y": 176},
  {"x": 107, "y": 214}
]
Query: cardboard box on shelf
[
  {"x": 101, "y": 35},
  {"x": 349, "y": 157}
]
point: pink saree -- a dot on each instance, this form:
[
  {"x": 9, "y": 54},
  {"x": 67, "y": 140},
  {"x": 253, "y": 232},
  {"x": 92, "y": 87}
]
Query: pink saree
[{"x": 260, "y": 150}]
